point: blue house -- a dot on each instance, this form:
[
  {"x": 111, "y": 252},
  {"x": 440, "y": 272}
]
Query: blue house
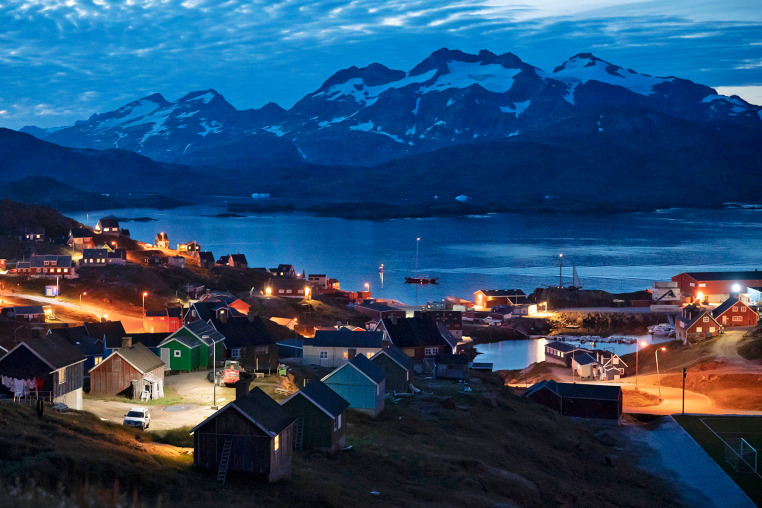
[{"x": 361, "y": 383}]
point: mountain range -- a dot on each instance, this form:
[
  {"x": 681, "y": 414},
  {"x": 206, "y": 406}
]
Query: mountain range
[{"x": 488, "y": 126}]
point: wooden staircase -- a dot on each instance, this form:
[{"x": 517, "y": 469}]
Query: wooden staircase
[
  {"x": 222, "y": 472},
  {"x": 299, "y": 439}
]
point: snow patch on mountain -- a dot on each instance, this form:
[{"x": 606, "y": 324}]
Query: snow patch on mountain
[
  {"x": 213, "y": 126},
  {"x": 492, "y": 77},
  {"x": 274, "y": 129},
  {"x": 367, "y": 126},
  {"x": 583, "y": 68},
  {"x": 417, "y": 103},
  {"x": 130, "y": 114},
  {"x": 205, "y": 98},
  {"x": 517, "y": 108},
  {"x": 356, "y": 88}
]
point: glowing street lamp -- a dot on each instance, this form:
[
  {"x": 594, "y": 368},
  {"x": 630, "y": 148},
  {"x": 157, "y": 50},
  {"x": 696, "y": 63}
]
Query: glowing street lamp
[
  {"x": 736, "y": 288},
  {"x": 367, "y": 287},
  {"x": 656, "y": 353},
  {"x": 268, "y": 291},
  {"x": 80, "y": 297},
  {"x": 306, "y": 292},
  {"x": 145, "y": 293},
  {"x": 637, "y": 350}
]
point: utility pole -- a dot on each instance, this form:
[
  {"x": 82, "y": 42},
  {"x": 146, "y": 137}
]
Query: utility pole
[
  {"x": 684, "y": 374},
  {"x": 560, "y": 270}
]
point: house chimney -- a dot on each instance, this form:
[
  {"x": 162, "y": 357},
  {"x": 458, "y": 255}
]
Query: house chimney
[
  {"x": 222, "y": 315},
  {"x": 241, "y": 388},
  {"x": 126, "y": 341},
  {"x": 251, "y": 316}
]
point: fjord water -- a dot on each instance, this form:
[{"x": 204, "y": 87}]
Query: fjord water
[{"x": 616, "y": 253}]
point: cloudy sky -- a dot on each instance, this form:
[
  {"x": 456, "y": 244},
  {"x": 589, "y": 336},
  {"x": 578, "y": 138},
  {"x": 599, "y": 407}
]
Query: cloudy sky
[{"x": 63, "y": 60}]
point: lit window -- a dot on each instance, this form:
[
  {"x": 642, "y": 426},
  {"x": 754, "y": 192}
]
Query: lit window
[
  {"x": 98, "y": 359},
  {"x": 431, "y": 351},
  {"x": 276, "y": 443},
  {"x": 693, "y": 285},
  {"x": 735, "y": 309},
  {"x": 346, "y": 355},
  {"x": 699, "y": 329},
  {"x": 743, "y": 309},
  {"x": 737, "y": 318},
  {"x": 61, "y": 376},
  {"x": 702, "y": 285}
]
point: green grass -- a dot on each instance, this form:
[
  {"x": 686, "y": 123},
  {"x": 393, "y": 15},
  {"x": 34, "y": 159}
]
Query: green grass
[
  {"x": 747, "y": 427},
  {"x": 175, "y": 437}
]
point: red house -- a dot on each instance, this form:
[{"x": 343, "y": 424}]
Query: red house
[
  {"x": 165, "y": 320},
  {"x": 734, "y": 312},
  {"x": 715, "y": 287},
  {"x": 695, "y": 324}
]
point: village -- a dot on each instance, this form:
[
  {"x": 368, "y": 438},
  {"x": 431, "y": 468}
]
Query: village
[{"x": 259, "y": 365}]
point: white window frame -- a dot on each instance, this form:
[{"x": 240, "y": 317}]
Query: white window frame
[
  {"x": 431, "y": 351},
  {"x": 699, "y": 329},
  {"x": 706, "y": 319},
  {"x": 235, "y": 353},
  {"x": 177, "y": 354},
  {"x": 323, "y": 355},
  {"x": 737, "y": 319},
  {"x": 702, "y": 285}
]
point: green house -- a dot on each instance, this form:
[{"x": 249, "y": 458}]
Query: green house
[{"x": 191, "y": 347}]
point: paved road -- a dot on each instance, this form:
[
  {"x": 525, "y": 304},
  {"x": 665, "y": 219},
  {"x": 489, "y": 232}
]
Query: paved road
[{"x": 131, "y": 324}]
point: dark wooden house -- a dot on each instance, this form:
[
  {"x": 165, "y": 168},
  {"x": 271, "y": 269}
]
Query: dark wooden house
[
  {"x": 54, "y": 366},
  {"x": 449, "y": 366},
  {"x": 255, "y": 430},
  {"x": 361, "y": 383},
  {"x": 320, "y": 411},
  {"x": 577, "y": 399},
  {"x": 247, "y": 340},
  {"x": 419, "y": 337},
  {"x": 397, "y": 366},
  {"x": 129, "y": 371}
]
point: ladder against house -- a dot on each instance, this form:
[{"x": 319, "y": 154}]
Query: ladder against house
[
  {"x": 299, "y": 439},
  {"x": 222, "y": 472}
]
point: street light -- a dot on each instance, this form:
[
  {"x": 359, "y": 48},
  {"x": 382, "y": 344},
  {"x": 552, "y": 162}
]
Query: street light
[
  {"x": 658, "y": 377},
  {"x": 214, "y": 370},
  {"x": 637, "y": 350},
  {"x": 367, "y": 287},
  {"x": 144, "y": 302},
  {"x": 80, "y": 297}
]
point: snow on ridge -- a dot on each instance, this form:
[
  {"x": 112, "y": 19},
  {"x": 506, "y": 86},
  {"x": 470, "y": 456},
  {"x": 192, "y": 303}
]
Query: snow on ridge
[
  {"x": 492, "y": 77},
  {"x": 576, "y": 71},
  {"x": 187, "y": 115},
  {"x": 360, "y": 92},
  {"x": 417, "y": 103},
  {"x": 132, "y": 114},
  {"x": 214, "y": 126},
  {"x": 367, "y": 126},
  {"x": 205, "y": 98}
]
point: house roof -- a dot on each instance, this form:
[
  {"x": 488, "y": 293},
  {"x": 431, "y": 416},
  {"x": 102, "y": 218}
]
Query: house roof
[
  {"x": 261, "y": 410},
  {"x": 53, "y": 350},
  {"x": 345, "y": 338},
  {"x": 88, "y": 346},
  {"x": 322, "y": 396},
  {"x": 561, "y": 346},
  {"x": 109, "y": 222},
  {"x": 201, "y": 329},
  {"x": 39, "y": 261},
  {"x": 736, "y": 276},
  {"x": 396, "y": 355},
  {"x": 379, "y": 307},
  {"x": 370, "y": 369},
  {"x": 27, "y": 309},
  {"x": 81, "y": 233},
  {"x": 162, "y": 237},
  {"x": 190, "y": 342},
  {"x": 418, "y": 332},
  {"x": 451, "y": 359},
  {"x": 584, "y": 358},
  {"x": 693, "y": 318},
  {"x": 725, "y": 306},
  {"x": 108, "y": 330},
  {"x": 240, "y": 332},
  {"x": 239, "y": 258},
  {"x": 294, "y": 343},
  {"x": 138, "y": 356},
  {"x": 149, "y": 340},
  {"x": 577, "y": 390},
  {"x": 502, "y": 292},
  {"x": 206, "y": 256}
]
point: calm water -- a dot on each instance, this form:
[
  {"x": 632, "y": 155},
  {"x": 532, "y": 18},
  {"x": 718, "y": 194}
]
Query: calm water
[
  {"x": 614, "y": 253},
  {"x": 517, "y": 354}
]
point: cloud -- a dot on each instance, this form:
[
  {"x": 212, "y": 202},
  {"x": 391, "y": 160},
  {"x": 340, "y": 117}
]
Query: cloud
[{"x": 79, "y": 57}]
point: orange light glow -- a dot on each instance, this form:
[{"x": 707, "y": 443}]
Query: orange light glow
[
  {"x": 268, "y": 291},
  {"x": 643, "y": 344}
]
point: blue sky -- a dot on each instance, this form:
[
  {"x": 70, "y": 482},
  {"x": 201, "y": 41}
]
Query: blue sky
[{"x": 63, "y": 60}]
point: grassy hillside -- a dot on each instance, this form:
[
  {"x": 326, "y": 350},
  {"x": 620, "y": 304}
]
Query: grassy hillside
[{"x": 449, "y": 449}]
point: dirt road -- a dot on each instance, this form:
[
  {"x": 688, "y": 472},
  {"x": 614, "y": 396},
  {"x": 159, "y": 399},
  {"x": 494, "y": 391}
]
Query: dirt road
[{"x": 162, "y": 417}]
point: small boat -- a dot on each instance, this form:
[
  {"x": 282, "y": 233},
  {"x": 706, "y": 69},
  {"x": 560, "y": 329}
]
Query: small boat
[
  {"x": 421, "y": 279},
  {"x": 661, "y": 329}
]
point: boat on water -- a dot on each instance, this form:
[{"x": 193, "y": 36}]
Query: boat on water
[
  {"x": 419, "y": 279},
  {"x": 661, "y": 329}
]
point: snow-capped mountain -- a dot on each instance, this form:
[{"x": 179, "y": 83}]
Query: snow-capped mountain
[{"x": 370, "y": 115}]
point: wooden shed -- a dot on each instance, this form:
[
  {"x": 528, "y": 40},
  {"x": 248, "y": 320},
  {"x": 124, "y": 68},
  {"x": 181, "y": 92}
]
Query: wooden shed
[
  {"x": 129, "y": 371},
  {"x": 577, "y": 399},
  {"x": 397, "y": 366},
  {"x": 361, "y": 383},
  {"x": 252, "y": 434},
  {"x": 51, "y": 367},
  {"x": 319, "y": 412}
]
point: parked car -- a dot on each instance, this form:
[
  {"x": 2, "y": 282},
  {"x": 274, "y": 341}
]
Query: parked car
[{"x": 138, "y": 417}]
